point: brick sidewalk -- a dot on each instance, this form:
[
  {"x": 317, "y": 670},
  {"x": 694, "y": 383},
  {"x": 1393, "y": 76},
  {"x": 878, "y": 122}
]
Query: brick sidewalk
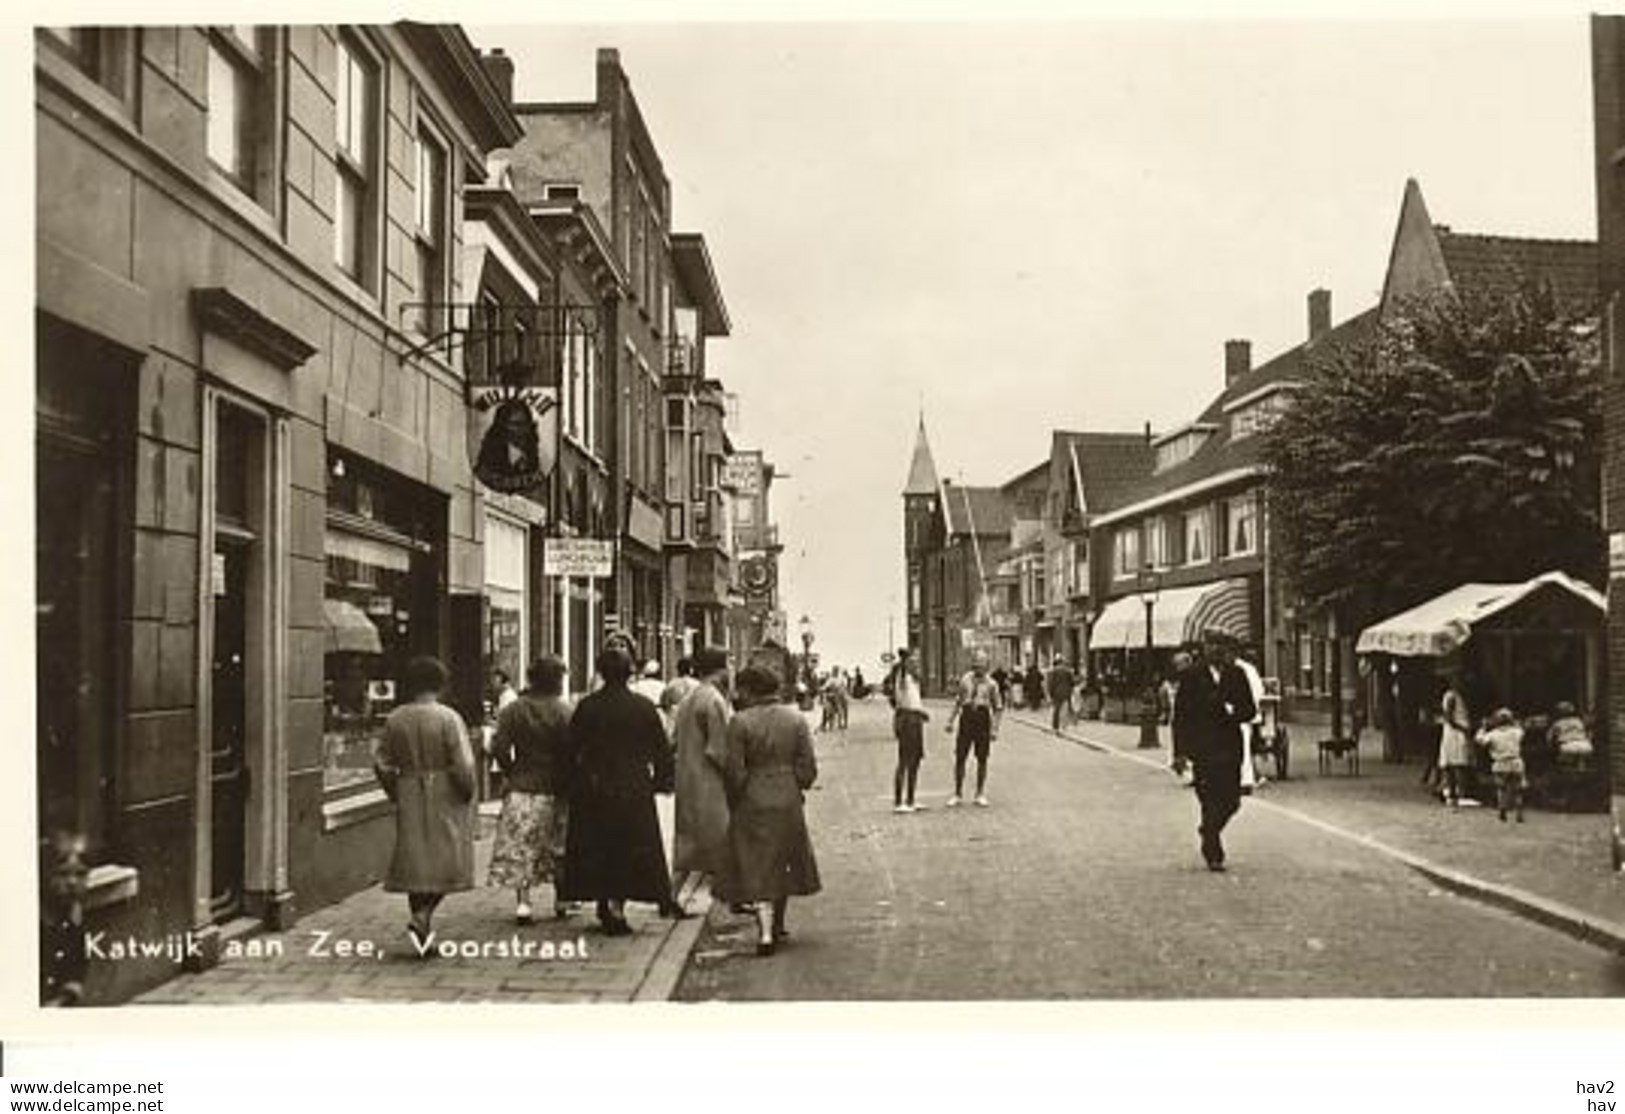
[
  {"x": 1563, "y": 860},
  {"x": 551, "y": 961}
]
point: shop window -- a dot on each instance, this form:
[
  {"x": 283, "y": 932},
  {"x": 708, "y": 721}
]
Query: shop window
[
  {"x": 384, "y": 550},
  {"x": 507, "y": 641},
  {"x": 80, "y": 409}
]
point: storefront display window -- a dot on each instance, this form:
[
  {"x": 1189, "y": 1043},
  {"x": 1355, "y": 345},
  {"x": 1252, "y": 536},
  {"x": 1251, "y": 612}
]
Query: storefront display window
[{"x": 383, "y": 553}]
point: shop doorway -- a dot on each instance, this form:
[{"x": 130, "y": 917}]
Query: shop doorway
[{"x": 229, "y": 783}]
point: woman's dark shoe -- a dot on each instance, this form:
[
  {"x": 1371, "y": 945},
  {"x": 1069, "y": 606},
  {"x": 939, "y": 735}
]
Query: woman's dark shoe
[
  {"x": 614, "y": 926},
  {"x": 767, "y": 947},
  {"x": 673, "y": 911},
  {"x": 780, "y": 933}
]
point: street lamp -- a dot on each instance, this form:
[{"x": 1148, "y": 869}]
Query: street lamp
[
  {"x": 805, "y": 628},
  {"x": 1150, "y": 584}
]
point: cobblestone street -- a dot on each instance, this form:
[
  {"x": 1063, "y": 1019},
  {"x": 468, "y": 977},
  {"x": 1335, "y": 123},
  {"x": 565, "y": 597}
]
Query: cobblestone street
[
  {"x": 551, "y": 961},
  {"x": 1083, "y": 881}
]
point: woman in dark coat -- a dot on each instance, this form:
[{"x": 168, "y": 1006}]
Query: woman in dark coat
[
  {"x": 427, "y": 768},
  {"x": 770, "y": 764},
  {"x": 619, "y": 758}
]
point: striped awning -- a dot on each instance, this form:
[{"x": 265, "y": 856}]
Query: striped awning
[{"x": 1178, "y": 617}]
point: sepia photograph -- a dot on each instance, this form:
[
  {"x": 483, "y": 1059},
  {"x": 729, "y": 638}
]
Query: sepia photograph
[{"x": 938, "y": 510}]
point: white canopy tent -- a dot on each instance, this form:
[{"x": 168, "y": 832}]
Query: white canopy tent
[
  {"x": 1441, "y": 625},
  {"x": 1178, "y": 616}
]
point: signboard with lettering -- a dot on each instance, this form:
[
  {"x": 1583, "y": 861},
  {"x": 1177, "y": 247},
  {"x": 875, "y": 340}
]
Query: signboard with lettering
[
  {"x": 743, "y": 474},
  {"x": 579, "y": 557}
]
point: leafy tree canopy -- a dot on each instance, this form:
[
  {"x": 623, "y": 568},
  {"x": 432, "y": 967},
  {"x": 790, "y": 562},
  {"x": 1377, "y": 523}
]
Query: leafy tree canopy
[{"x": 1460, "y": 440}]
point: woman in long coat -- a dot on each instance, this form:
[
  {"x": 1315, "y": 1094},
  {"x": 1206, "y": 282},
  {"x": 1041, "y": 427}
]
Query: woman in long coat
[
  {"x": 770, "y": 764},
  {"x": 426, "y": 767},
  {"x": 619, "y": 758},
  {"x": 700, "y": 731}
]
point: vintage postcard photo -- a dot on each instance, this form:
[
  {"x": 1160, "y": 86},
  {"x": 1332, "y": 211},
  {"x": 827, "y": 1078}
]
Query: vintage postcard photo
[{"x": 939, "y": 510}]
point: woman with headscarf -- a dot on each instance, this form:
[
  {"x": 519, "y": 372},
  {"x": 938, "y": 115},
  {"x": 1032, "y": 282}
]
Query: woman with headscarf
[
  {"x": 769, "y": 766},
  {"x": 426, "y": 767}
]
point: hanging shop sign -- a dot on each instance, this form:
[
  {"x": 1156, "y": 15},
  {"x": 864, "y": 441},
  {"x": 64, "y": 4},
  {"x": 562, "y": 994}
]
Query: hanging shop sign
[{"x": 513, "y": 436}]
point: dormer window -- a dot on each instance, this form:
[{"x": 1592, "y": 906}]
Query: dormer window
[
  {"x": 1256, "y": 412},
  {"x": 1178, "y": 447}
]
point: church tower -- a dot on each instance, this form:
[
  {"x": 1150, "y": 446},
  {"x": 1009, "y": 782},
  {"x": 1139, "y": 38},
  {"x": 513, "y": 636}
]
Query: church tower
[{"x": 920, "y": 508}]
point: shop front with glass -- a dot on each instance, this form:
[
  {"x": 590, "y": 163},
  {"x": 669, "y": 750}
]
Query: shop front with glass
[{"x": 385, "y": 553}]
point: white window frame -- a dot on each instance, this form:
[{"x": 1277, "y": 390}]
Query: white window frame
[
  {"x": 1204, "y": 516},
  {"x": 358, "y": 169},
  {"x": 431, "y": 221},
  {"x": 1126, "y": 552},
  {"x": 1232, "y": 505}
]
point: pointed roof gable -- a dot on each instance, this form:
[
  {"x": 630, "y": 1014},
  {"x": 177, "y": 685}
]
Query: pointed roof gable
[
  {"x": 1416, "y": 262},
  {"x": 922, "y": 470},
  {"x": 1427, "y": 256}
]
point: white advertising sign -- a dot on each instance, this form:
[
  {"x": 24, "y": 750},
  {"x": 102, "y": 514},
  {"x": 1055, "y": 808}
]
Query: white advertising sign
[{"x": 583, "y": 557}]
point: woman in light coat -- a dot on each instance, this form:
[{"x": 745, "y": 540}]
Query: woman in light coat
[
  {"x": 426, "y": 766},
  {"x": 1455, "y": 741},
  {"x": 770, "y": 764}
]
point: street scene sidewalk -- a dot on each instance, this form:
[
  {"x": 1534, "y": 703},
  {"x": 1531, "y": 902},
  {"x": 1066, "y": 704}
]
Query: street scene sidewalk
[
  {"x": 552, "y": 961},
  {"x": 1555, "y": 867}
]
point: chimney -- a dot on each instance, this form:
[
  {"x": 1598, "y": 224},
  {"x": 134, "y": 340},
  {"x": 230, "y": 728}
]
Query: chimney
[
  {"x": 1148, "y": 433},
  {"x": 499, "y": 69},
  {"x": 1320, "y": 313},
  {"x": 1238, "y": 359}
]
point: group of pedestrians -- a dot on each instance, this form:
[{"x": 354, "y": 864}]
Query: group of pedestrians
[{"x": 578, "y": 811}]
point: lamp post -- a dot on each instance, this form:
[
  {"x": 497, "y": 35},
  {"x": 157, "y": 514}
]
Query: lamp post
[
  {"x": 805, "y": 629},
  {"x": 1150, "y": 583}
]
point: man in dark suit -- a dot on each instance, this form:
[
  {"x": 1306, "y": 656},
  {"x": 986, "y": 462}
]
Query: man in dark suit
[{"x": 1213, "y": 703}]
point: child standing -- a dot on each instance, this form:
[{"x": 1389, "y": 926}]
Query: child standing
[{"x": 1502, "y": 736}]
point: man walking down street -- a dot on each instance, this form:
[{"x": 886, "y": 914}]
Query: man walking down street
[
  {"x": 977, "y": 709},
  {"x": 908, "y": 724},
  {"x": 1059, "y": 686},
  {"x": 1214, "y": 702}
]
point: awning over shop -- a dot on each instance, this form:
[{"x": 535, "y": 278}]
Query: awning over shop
[
  {"x": 1443, "y": 623},
  {"x": 1179, "y": 616},
  {"x": 349, "y": 631}
]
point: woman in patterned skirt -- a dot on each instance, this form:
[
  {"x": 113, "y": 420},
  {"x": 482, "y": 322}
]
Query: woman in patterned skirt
[{"x": 532, "y": 735}]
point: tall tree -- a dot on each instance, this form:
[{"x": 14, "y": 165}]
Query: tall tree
[{"x": 1459, "y": 441}]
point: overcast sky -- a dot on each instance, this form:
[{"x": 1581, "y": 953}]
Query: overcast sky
[{"x": 1027, "y": 226}]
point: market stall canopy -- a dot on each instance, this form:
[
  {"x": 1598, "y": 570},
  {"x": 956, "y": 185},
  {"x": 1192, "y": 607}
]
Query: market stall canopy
[
  {"x": 1178, "y": 617},
  {"x": 1442, "y": 624},
  {"x": 349, "y": 631}
]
